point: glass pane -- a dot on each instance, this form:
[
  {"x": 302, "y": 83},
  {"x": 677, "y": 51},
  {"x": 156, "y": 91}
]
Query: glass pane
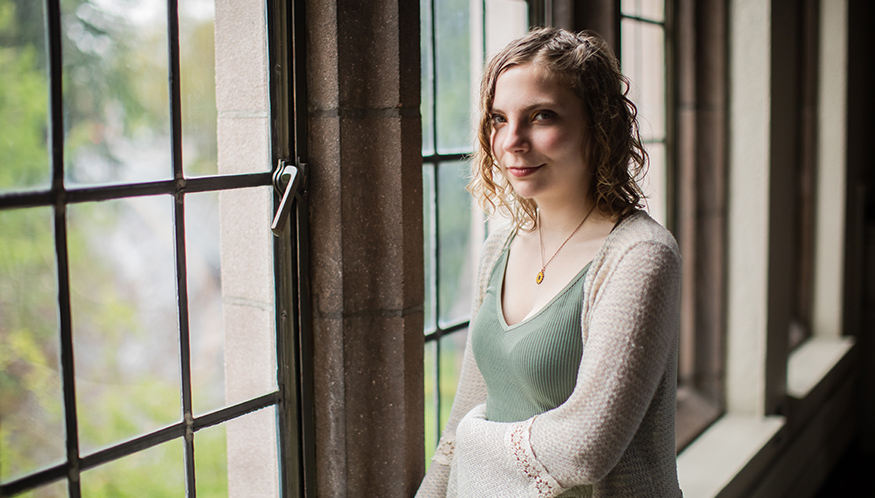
[
  {"x": 457, "y": 249},
  {"x": 31, "y": 403},
  {"x": 431, "y": 434},
  {"x": 506, "y": 20},
  {"x": 56, "y": 489},
  {"x": 157, "y": 472},
  {"x": 125, "y": 325},
  {"x": 23, "y": 97},
  {"x": 452, "y": 351},
  {"x": 643, "y": 50},
  {"x": 653, "y": 10},
  {"x": 205, "y": 301},
  {"x": 198, "y": 86},
  {"x": 253, "y": 468},
  {"x": 429, "y": 238},
  {"x": 248, "y": 293},
  {"x": 654, "y": 184},
  {"x": 453, "y": 72},
  {"x": 115, "y": 91},
  {"x": 211, "y": 461},
  {"x": 427, "y": 77}
]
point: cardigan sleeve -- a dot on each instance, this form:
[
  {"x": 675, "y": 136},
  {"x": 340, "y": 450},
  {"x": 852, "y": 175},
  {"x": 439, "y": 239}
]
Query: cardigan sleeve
[{"x": 631, "y": 333}]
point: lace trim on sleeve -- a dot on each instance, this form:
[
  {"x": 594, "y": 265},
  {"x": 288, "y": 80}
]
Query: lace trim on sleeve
[
  {"x": 518, "y": 441},
  {"x": 443, "y": 454}
]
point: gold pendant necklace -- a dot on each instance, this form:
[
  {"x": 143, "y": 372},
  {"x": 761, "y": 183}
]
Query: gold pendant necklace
[{"x": 540, "y": 277}]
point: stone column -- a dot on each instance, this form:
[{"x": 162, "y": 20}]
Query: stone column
[{"x": 366, "y": 233}]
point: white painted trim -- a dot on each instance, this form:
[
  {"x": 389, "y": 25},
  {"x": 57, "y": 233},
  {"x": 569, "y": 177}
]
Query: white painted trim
[
  {"x": 750, "y": 100},
  {"x": 831, "y": 168},
  {"x": 708, "y": 465},
  {"x": 249, "y": 315},
  {"x": 812, "y": 361}
]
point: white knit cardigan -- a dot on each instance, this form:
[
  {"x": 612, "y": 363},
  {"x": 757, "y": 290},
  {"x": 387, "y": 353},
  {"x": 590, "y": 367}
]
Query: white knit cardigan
[{"x": 615, "y": 433}]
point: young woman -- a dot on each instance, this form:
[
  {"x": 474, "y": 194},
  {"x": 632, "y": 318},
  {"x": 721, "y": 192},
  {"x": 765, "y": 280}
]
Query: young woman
[{"x": 569, "y": 377}]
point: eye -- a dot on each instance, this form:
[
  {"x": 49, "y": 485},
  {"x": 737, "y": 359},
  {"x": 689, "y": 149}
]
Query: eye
[
  {"x": 543, "y": 115},
  {"x": 497, "y": 119}
]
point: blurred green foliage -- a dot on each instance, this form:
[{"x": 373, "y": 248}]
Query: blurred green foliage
[{"x": 104, "y": 68}]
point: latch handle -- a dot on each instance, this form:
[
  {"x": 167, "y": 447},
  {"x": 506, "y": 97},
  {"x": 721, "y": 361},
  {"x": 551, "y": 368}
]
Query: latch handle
[{"x": 288, "y": 175}]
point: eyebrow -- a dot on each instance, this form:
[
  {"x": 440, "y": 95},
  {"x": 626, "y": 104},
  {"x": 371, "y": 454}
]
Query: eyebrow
[{"x": 531, "y": 107}]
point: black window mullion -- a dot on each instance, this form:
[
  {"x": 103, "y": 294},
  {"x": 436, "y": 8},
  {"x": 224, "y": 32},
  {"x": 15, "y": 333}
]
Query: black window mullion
[
  {"x": 434, "y": 282},
  {"x": 65, "y": 321},
  {"x": 436, "y": 217},
  {"x": 179, "y": 225},
  {"x": 125, "y": 191}
]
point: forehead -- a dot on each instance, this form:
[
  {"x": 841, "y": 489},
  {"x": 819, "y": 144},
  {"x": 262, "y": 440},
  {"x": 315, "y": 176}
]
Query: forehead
[{"x": 530, "y": 83}]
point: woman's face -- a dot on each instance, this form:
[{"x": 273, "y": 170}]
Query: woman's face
[{"x": 538, "y": 135}]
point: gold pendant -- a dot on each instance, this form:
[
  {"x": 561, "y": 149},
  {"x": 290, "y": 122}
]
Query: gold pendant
[{"x": 540, "y": 277}]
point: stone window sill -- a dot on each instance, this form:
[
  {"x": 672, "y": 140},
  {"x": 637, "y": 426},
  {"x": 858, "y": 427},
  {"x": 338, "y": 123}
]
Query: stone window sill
[{"x": 725, "y": 459}]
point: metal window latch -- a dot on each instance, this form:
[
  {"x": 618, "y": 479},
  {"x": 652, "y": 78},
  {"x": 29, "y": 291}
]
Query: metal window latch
[{"x": 287, "y": 178}]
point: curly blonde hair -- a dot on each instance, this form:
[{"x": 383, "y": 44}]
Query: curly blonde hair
[{"x": 588, "y": 65}]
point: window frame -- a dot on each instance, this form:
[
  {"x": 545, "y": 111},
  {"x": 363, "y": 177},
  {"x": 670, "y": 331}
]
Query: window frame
[
  {"x": 294, "y": 394},
  {"x": 433, "y": 161}
]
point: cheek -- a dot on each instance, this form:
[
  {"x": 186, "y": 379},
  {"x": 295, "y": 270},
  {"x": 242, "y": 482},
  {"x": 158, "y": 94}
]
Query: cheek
[
  {"x": 494, "y": 141},
  {"x": 560, "y": 142}
]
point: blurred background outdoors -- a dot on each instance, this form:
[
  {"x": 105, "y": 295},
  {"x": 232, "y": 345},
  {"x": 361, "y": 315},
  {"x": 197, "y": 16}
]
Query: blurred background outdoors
[{"x": 121, "y": 259}]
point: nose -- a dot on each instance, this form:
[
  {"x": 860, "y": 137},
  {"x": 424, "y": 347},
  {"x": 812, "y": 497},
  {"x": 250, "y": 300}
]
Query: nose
[{"x": 516, "y": 138}]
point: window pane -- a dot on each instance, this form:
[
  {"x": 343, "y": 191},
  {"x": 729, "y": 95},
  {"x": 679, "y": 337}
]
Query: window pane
[
  {"x": 57, "y": 489},
  {"x": 452, "y": 351},
  {"x": 429, "y": 238},
  {"x": 115, "y": 91},
  {"x": 211, "y": 461},
  {"x": 643, "y": 50},
  {"x": 654, "y": 184},
  {"x": 457, "y": 248},
  {"x": 157, "y": 472},
  {"x": 31, "y": 406},
  {"x": 431, "y": 433},
  {"x": 453, "y": 60},
  {"x": 248, "y": 293},
  {"x": 427, "y": 77},
  {"x": 198, "y": 86},
  {"x": 124, "y": 312},
  {"x": 253, "y": 468},
  {"x": 205, "y": 301},
  {"x": 506, "y": 20},
  {"x": 653, "y": 10},
  {"x": 23, "y": 97}
]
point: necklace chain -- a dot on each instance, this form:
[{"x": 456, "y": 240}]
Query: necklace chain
[{"x": 540, "y": 277}]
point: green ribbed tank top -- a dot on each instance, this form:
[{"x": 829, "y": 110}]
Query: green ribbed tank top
[{"x": 529, "y": 367}]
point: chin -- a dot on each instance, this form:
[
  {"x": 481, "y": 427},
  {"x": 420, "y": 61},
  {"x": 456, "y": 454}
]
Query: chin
[{"x": 525, "y": 190}]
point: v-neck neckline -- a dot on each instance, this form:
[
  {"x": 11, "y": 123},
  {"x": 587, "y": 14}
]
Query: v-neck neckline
[{"x": 500, "y": 295}]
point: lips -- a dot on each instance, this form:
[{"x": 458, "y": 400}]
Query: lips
[{"x": 520, "y": 172}]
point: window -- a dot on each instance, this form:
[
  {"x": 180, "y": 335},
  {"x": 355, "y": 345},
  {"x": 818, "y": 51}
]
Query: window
[
  {"x": 699, "y": 120},
  {"x": 146, "y": 309},
  {"x": 455, "y": 36},
  {"x": 643, "y": 55}
]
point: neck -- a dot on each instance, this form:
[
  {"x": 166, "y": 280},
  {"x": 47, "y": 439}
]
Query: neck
[{"x": 560, "y": 219}]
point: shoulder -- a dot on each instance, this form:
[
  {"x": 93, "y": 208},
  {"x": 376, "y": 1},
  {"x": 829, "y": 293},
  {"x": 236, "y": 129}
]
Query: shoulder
[
  {"x": 489, "y": 255},
  {"x": 493, "y": 246},
  {"x": 637, "y": 244},
  {"x": 639, "y": 232}
]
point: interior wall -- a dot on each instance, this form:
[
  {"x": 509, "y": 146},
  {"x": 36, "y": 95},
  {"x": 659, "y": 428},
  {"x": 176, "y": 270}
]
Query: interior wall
[{"x": 860, "y": 307}]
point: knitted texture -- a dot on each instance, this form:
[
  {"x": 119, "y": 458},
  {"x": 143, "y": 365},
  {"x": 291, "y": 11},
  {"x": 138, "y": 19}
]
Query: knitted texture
[{"x": 615, "y": 433}]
